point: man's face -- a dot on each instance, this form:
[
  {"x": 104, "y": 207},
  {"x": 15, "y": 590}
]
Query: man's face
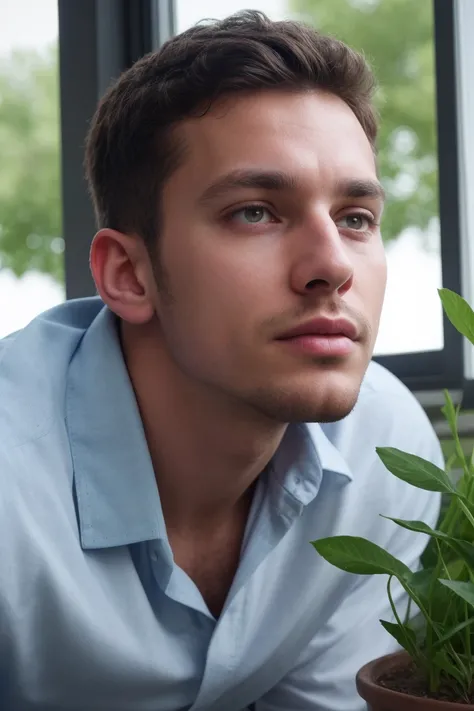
[{"x": 269, "y": 225}]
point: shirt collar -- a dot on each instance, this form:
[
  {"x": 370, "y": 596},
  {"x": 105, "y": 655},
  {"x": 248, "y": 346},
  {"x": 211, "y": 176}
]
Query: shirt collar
[
  {"x": 115, "y": 486},
  {"x": 329, "y": 456},
  {"x": 303, "y": 457},
  {"x": 117, "y": 497}
]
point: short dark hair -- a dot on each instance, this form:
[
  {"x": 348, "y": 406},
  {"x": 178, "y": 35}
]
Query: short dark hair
[{"x": 132, "y": 148}]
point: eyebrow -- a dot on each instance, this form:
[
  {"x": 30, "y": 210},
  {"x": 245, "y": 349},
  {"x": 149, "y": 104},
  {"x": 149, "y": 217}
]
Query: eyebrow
[
  {"x": 357, "y": 188},
  {"x": 265, "y": 180},
  {"x": 279, "y": 181}
]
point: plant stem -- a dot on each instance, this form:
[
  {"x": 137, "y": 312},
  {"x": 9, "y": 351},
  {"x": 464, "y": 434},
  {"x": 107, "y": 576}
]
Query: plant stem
[
  {"x": 411, "y": 649},
  {"x": 392, "y": 604}
]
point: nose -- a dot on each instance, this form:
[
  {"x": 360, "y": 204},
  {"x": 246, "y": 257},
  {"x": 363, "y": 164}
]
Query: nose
[{"x": 321, "y": 261}]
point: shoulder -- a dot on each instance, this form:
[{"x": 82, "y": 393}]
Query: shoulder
[
  {"x": 380, "y": 385},
  {"x": 35, "y": 458},
  {"x": 388, "y": 414},
  {"x": 33, "y": 369}
]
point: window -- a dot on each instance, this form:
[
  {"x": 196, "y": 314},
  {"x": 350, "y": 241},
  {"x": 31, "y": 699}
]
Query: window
[
  {"x": 31, "y": 244},
  {"x": 419, "y": 165}
]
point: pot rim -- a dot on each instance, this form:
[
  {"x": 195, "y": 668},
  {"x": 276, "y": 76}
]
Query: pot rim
[{"x": 368, "y": 688}]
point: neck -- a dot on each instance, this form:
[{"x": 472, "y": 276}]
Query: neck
[{"x": 207, "y": 449}]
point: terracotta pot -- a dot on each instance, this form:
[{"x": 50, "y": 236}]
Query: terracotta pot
[{"x": 380, "y": 699}]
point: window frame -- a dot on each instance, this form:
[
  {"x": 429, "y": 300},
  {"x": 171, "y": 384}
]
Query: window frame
[{"x": 98, "y": 39}]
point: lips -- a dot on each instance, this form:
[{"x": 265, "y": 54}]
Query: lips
[{"x": 323, "y": 327}]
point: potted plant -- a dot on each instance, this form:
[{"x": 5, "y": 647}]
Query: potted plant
[{"x": 436, "y": 670}]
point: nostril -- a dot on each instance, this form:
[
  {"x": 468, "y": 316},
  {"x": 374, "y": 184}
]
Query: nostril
[{"x": 314, "y": 282}]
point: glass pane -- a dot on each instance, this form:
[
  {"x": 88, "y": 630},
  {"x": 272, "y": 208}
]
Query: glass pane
[
  {"x": 397, "y": 37},
  {"x": 188, "y": 12},
  {"x": 31, "y": 244}
]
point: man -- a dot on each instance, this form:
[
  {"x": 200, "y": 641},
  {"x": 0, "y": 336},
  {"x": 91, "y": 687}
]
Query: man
[{"x": 159, "y": 485}]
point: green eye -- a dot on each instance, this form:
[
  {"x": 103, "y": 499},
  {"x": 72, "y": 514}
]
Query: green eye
[
  {"x": 253, "y": 215},
  {"x": 360, "y": 222}
]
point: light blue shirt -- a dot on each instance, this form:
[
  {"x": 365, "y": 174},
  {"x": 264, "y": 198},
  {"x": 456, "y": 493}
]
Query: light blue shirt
[{"x": 95, "y": 615}]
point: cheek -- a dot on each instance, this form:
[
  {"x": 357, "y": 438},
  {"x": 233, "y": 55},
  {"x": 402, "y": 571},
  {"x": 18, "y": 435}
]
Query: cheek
[
  {"x": 213, "y": 305},
  {"x": 216, "y": 279}
]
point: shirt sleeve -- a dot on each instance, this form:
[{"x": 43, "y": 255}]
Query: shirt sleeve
[{"x": 323, "y": 677}]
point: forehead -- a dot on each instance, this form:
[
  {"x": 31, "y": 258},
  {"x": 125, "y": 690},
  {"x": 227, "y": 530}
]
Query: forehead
[{"x": 312, "y": 135}]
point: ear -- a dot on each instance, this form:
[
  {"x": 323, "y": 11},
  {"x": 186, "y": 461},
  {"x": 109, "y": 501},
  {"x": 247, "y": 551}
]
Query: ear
[{"x": 123, "y": 275}]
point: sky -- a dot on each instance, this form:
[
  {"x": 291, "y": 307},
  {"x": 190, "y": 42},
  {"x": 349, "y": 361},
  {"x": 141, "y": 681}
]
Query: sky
[{"x": 411, "y": 319}]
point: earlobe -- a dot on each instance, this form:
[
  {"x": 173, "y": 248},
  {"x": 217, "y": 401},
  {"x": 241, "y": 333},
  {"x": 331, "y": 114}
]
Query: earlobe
[{"x": 119, "y": 265}]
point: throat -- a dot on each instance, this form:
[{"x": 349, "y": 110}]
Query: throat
[
  {"x": 212, "y": 570},
  {"x": 211, "y": 557}
]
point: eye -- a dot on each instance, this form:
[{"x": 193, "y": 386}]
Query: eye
[
  {"x": 253, "y": 215},
  {"x": 358, "y": 221}
]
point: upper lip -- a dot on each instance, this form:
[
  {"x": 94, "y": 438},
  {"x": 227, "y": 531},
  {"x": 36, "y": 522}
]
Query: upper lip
[{"x": 323, "y": 327}]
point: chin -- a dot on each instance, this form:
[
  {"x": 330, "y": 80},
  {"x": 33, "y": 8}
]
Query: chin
[{"x": 328, "y": 403}]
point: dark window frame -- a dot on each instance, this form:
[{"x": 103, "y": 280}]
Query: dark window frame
[{"x": 98, "y": 39}]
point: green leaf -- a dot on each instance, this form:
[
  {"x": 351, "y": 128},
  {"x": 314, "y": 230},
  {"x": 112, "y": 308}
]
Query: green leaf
[
  {"x": 449, "y": 411},
  {"x": 458, "y": 312},
  {"x": 463, "y": 589},
  {"x": 427, "y": 592},
  {"x": 463, "y": 549},
  {"x": 451, "y": 414},
  {"x": 457, "y": 569},
  {"x": 404, "y": 635},
  {"x": 451, "y": 633},
  {"x": 360, "y": 556},
  {"x": 416, "y": 471}
]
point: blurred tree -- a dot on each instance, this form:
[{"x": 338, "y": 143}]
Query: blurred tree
[
  {"x": 30, "y": 191},
  {"x": 396, "y": 37}
]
